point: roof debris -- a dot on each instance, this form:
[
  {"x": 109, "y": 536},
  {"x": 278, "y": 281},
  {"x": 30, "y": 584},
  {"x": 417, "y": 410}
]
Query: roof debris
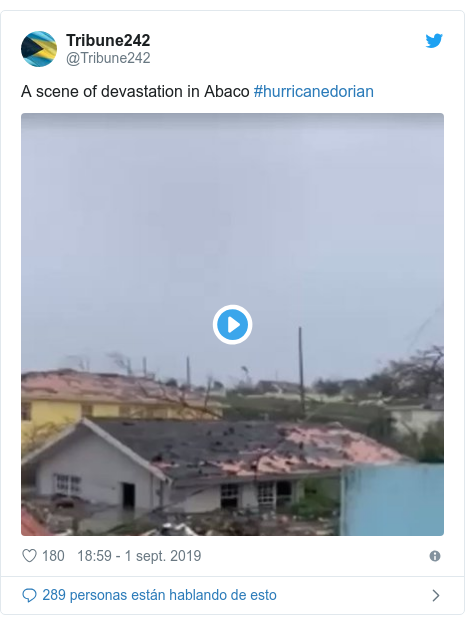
[
  {"x": 186, "y": 450},
  {"x": 71, "y": 385}
]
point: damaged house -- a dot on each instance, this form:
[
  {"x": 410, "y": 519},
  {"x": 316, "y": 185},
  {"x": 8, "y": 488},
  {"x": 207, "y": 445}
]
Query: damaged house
[
  {"x": 195, "y": 466},
  {"x": 50, "y": 400}
]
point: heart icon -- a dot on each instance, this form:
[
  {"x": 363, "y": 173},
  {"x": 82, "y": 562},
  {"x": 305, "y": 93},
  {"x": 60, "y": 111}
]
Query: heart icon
[{"x": 29, "y": 554}]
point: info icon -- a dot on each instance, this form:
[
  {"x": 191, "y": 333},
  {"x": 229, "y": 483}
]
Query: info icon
[
  {"x": 232, "y": 324},
  {"x": 38, "y": 48}
]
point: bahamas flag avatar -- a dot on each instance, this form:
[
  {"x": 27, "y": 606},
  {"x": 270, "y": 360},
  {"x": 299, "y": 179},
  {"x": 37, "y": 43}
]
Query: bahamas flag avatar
[{"x": 38, "y": 49}]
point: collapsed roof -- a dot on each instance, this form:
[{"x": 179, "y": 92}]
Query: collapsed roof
[{"x": 191, "y": 450}]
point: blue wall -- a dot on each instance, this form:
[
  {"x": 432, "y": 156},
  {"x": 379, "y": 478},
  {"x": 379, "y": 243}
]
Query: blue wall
[{"x": 393, "y": 500}]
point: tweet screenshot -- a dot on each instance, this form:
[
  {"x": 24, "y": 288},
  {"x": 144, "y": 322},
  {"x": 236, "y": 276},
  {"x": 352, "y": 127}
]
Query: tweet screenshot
[{"x": 232, "y": 262}]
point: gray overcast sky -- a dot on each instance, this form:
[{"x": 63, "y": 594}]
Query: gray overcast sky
[{"x": 136, "y": 229}]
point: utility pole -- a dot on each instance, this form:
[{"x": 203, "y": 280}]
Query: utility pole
[
  {"x": 188, "y": 372},
  {"x": 301, "y": 375}
]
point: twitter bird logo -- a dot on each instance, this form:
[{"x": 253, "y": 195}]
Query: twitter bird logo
[{"x": 433, "y": 42}]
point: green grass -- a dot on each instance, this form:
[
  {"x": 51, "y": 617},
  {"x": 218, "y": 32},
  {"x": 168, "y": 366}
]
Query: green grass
[{"x": 356, "y": 417}]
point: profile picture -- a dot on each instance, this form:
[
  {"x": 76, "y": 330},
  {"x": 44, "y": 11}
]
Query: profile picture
[{"x": 38, "y": 48}]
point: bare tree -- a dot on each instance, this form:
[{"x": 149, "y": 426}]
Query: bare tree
[
  {"x": 420, "y": 375},
  {"x": 180, "y": 398},
  {"x": 121, "y": 361},
  {"x": 79, "y": 362}
]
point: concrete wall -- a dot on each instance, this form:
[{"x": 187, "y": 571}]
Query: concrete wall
[
  {"x": 191, "y": 500},
  {"x": 102, "y": 469},
  {"x": 198, "y": 500},
  {"x": 393, "y": 500}
]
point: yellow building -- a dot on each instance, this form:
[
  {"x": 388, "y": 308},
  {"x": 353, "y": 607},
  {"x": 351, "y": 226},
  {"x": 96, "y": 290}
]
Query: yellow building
[{"x": 51, "y": 400}]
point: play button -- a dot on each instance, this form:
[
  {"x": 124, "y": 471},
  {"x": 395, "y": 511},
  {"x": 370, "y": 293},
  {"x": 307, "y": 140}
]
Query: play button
[{"x": 232, "y": 324}]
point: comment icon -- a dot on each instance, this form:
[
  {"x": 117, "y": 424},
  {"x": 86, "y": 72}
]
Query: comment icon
[{"x": 29, "y": 594}]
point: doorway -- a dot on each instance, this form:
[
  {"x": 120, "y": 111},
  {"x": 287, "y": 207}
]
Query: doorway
[{"x": 128, "y": 495}]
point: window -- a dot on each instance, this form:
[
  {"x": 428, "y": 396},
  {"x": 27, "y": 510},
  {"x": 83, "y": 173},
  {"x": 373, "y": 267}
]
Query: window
[
  {"x": 229, "y": 496},
  {"x": 265, "y": 495},
  {"x": 283, "y": 494},
  {"x": 25, "y": 411},
  {"x": 67, "y": 484},
  {"x": 87, "y": 410}
]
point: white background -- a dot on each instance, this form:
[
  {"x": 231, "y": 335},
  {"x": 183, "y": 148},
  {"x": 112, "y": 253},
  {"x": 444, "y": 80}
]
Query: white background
[{"x": 383, "y": 50}]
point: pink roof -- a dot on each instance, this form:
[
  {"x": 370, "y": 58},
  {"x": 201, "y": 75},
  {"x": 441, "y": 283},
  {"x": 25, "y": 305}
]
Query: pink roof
[
  {"x": 339, "y": 447},
  {"x": 71, "y": 385},
  {"x": 30, "y": 526}
]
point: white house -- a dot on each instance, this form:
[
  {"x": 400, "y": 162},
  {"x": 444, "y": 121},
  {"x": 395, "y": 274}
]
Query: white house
[
  {"x": 195, "y": 466},
  {"x": 416, "y": 418}
]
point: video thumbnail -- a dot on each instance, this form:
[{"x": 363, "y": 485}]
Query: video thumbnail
[{"x": 327, "y": 419}]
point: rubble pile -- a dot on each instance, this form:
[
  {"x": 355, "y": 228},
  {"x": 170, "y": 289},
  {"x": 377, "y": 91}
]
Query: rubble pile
[{"x": 222, "y": 522}]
